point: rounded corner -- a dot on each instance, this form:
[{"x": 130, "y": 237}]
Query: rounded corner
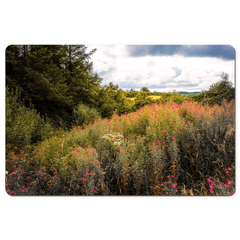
[
  {"x": 8, "y": 193},
  {"x": 233, "y": 193}
]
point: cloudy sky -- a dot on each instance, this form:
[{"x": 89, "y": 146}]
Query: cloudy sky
[{"x": 163, "y": 68}]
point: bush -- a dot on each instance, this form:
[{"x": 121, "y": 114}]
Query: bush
[
  {"x": 177, "y": 99},
  {"x": 217, "y": 92},
  {"x": 83, "y": 115},
  {"x": 24, "y": 126},
  {"x": 141, "y": 99}
]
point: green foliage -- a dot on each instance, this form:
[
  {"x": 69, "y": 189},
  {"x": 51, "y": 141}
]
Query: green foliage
[
  {"x": 131, "y": 93},
  {"x": 24, "y": 126},
  {"x": 217, "y": 92},
  {"x": 145, "y": 89},
  {"x": 155, "y": 93},
  {"x": 106, "y": 103},
  {"x": 141, "y": 99},
  {"x": 83, "y": 115},
  {"x": 110, "y": 98},
  {"x": 54, "y": 78},
  {"x": 176, "y": 98}
]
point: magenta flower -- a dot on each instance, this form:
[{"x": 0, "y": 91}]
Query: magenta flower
[
  {"x": 14, "y": 173},
  {"x": 174, "y": 186}
]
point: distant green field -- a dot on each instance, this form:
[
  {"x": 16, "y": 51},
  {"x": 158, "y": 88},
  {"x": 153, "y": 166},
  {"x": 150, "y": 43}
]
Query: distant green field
[
  {"x": 131, "y": 98},
  {"x": 153, "y": 97}
]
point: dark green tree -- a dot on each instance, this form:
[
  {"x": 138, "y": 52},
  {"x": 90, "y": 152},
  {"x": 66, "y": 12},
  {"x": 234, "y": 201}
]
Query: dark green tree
[
  {"x": 223, "y": 89},
  {"x": 83, "y": 83},
  {"x": 106, "y": 103},
  {"x": 145, "y": 89},
  {"x": 54, "y": 78}
]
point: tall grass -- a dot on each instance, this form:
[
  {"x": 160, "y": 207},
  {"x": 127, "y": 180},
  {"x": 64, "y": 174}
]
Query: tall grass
[{"x": 161, "y": 149}]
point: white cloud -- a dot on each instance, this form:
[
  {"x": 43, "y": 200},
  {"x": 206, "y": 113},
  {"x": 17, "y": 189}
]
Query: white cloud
[{"x": 196, "y": 73}]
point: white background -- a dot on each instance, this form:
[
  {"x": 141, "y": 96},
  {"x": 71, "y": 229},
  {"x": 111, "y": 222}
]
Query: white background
[{"x": 118, "y": 22}]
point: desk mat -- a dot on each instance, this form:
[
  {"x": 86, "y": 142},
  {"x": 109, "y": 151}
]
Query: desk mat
[{"x": 120, "y": 120}]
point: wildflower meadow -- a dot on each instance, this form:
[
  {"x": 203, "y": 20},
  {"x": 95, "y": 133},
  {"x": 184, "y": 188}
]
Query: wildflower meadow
[{"x": 168, "y": 149}]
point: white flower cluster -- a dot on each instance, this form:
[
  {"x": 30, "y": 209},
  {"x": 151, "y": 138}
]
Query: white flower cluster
[{"x": 115, "y": 138}]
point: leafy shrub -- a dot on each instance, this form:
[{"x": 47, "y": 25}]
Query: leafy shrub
[
  {"x": 217, "y": 92},
  {"x": 141, "y": 99},
  {"x": 24, "y": 126},
  {"x": 179, "y": 99},
  {"x": 83, "y": 115}
]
